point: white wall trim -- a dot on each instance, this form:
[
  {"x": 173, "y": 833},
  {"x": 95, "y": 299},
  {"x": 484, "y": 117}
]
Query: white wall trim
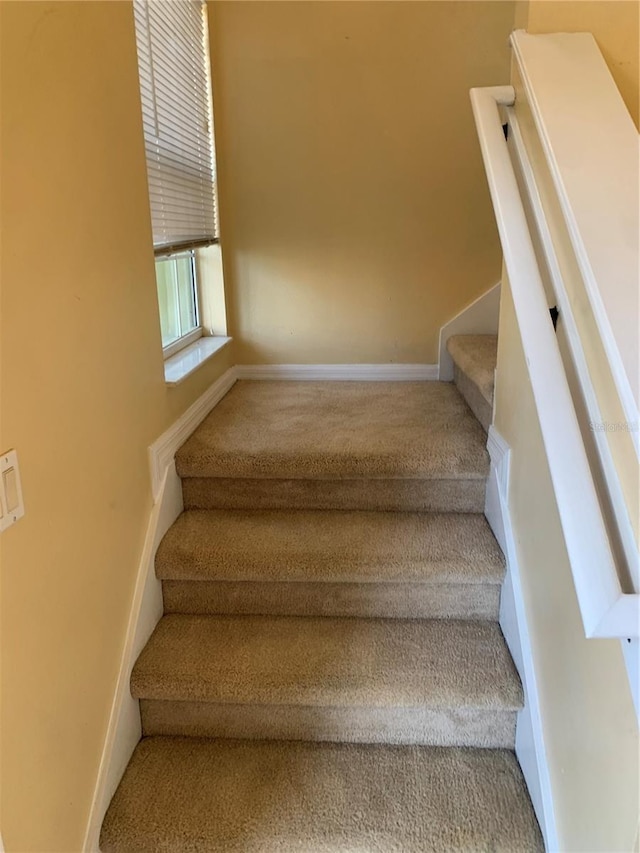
[
  {"x": 480, "y": 317},
  {"x": 497, "y": 483},
  {"x": 124, "y": 729},
  {"x": 530, "y": 741},
  {"x": 187, "y": 360},
  {"x": 359, "y": 372},
  {"x": 499, "y": 453},
  {"x": 163, "y": 450}
]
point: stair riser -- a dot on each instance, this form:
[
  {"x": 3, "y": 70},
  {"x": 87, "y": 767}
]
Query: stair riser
[
  {"x": 391, "y": 600},
  {"x": 480, "y": 407},
  {"x": 428, "y": 727},
  {"x": 456, "y": 495}
]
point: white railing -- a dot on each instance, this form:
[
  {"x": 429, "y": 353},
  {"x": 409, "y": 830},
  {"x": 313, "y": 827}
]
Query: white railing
[
  {"x": 605, "y": 609},
  {"x": 591, "y": 152},
  {"x": 615, "y": 493}
]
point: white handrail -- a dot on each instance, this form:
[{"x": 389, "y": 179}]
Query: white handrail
[
  {"x": 612, "y": 482},
  {"x": 606, "y": 611},
  {"x": 601, "y": 214}
]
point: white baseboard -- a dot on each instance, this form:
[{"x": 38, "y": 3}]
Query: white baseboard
[
  {"x": 162, "y": 451},
  {"x": 478, "y": 318},
  {"x": 124, "y": 729},
  {"x": 360, "y": 372},
  {"x": 530, "y": 742},
  {"x": 497, "y": 484}
]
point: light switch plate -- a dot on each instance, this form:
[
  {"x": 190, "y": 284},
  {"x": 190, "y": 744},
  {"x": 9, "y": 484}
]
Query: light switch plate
[{"x": 10, "y": 490}]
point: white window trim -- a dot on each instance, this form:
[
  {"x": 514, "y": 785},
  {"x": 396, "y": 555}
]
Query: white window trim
[
  {"x": 192, "y": 336},
  {"x": 180, "y": 344},
  {"x": 190, "y": 358}
]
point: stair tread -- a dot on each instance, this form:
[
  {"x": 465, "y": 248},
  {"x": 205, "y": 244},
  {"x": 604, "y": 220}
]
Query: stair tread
[
  {"x": 328, "y": 661},
  {"x": 337, "y": 430},
  {"x": 331, "y": 546},
  {"x": 476, "y": 356},
  {"x": 197, "y": 795}
]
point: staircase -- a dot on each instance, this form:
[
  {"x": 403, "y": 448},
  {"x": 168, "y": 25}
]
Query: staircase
[
  {"x": 474, "y": 364},
  {"x": 329, "y": 674}
]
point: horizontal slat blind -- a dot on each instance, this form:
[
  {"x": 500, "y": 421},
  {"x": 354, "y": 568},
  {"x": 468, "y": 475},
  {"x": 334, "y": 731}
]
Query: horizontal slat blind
[{"x": 177, "y": 120}]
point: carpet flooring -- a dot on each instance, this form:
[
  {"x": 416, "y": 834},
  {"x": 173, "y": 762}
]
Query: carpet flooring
[
  {"x": 230, "y": 796},
  {"x": 330, "y": 546},
  {"x": 329, "y": 675},
  {"x": 303, "y": 661},
  {"x": 349, "y": 563},
  {"x": 337, "y": 430},
  {"x": 474, "y": 358}
]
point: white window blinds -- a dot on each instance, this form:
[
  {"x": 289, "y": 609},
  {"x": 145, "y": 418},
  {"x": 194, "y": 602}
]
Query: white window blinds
[{"x": 178, "y": 125}]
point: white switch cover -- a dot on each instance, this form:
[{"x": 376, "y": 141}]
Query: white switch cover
[{"x": 11, "y": 503}]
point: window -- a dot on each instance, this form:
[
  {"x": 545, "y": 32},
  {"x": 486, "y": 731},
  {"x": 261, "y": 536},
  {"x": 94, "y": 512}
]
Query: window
[
  {"x": 175, "y": 88},
  {"x": 178, "y": 301}
]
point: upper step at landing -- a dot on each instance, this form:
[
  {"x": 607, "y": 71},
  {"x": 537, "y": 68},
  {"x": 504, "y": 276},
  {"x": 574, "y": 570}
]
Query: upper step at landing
[
  {"x": 334, "y": 430},
  {"x": 475, "y": 358},
  {"x": 314, "y": 445}
]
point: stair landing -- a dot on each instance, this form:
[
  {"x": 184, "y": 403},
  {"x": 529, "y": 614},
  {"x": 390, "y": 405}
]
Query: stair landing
[
  {"x": 327, "y": 430},
  {"x": 319, "y": 445}
]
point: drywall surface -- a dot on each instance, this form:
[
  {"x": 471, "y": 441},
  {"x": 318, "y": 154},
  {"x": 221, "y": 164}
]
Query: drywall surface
[
  {"x": 586, "y": 706},
  {"x": 615, "y": 25},
  {"x": 355, "y": 217},
  {"x": 83, "y": 395}
]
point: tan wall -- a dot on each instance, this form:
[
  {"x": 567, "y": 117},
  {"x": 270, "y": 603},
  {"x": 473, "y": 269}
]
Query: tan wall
[
  {"x": 615, "y": 25},
  {"x": 83, "y": 395},
  {"x": 586, "y": 707},
  {"x": 354, "y": 210}
]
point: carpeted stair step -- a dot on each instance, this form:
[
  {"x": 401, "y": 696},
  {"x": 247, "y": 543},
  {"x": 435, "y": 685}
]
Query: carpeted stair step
[
  {"x": 474, "y": 360},
  {"x": 189, "y": 795},
  {"x": 331, "y": 563},
  {"x": 438, "y": 682},
  {"x": 337, "y": 445}
]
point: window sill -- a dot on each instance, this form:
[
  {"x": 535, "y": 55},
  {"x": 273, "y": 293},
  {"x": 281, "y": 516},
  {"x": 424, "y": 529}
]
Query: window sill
[{"x": 188, "y": 360}]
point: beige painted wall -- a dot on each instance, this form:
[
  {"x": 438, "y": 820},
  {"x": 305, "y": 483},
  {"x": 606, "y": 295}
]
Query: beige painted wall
[
  {"x": 354, "y": 210},
  {"x": 586, "y": 707},
  {"x": 615, "y": 25},
  {"x": 83, "y": 394}
]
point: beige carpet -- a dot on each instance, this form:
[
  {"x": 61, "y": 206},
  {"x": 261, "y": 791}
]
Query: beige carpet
[
  {"x": 207, "y": 796},
  {"x": 291, "y": 660},
  {"x": 330, "y": 546},
  {"x": 261, "y": 665},
  {"x": 337, "y": 430},
  {"x": 385, "y": 599},
  {"x": 331, "y": 598},
  {"x": 476, "y": 356},
  {"x": 387, "y": 495},
  {"x": 402, "y": 565}
]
